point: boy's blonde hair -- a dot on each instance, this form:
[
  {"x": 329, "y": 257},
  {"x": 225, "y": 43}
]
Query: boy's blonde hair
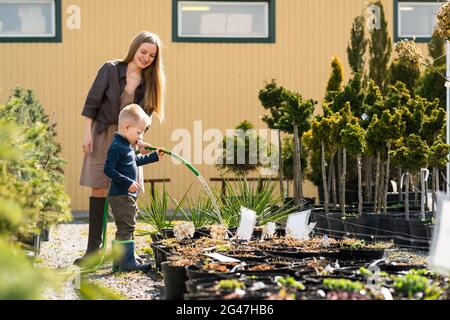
[{"x": 134, "y": 114}]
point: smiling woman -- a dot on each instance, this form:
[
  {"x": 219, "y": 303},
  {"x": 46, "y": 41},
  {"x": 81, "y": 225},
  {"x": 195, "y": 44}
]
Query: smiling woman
[{"x": 137, "y": 79}]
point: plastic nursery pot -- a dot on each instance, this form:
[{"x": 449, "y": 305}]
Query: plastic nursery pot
[
  {"x": 387, "y": 228},
  {"x": 363, "y": 254},
  {"x": 161, "y": 253},
  {"x": 322, "y": 222},
  {"x": 191, "y": 285},
  {"x": 335, "y": 225},
  {"x": 247, "y": 255},
  {"x": 168, "y": 233},
  {"x": 402, "y": 235},
  {"x": 350, "y": 226},
  {"x": 368, "y": 225},
  {"x": 418, "y": 233},
  {"x": 174, "y": 281},
  {"x": 156, "y": 237},
  {"x": 201, "y": 232}
]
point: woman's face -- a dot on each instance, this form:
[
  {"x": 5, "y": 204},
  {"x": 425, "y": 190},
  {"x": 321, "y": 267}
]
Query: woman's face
[{"x": 145, "y": 55}]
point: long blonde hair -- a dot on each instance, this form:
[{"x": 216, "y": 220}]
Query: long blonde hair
[{"x": 154, "y": 76}]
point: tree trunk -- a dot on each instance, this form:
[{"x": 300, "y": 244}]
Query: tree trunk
[
  {"x": 367, "y": 178},
  {"x": 297, "y": 172},
  {"x": 360, "y": 194},
  {"x": 386, "y": 186},
  {"x": 324, "y": 178},
  {"x": 280, "y": 165},
  {"x": 400, "y": 191},
  {"x": 416, "y": 191},
  {"x": 381, "y": 186},
  {"x": 377, "y": 179},
  {"x": 370, "y": 180},
  {"x": 287, "y": 187},
  {"x": 300, "y": 177},
  {"x": 339, "y": 168},
  {"x": 433, "y": 191},
  {"x": 407, "y": 198},
  {"x": 344, "y": 169},
  {"x": 333, "y": 180},
  {"x": 422, "y": 193}
]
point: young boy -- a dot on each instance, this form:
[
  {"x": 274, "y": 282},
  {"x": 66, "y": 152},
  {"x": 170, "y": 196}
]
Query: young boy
[{"x": 121, "y": 166}]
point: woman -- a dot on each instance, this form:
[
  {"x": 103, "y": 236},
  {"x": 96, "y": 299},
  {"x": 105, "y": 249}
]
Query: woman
[{"x": 140, "y": 79}]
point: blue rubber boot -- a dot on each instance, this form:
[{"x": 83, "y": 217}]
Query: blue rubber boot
[{"x": 124, "y": 259}]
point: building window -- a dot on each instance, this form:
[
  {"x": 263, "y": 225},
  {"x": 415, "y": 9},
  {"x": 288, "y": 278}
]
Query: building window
[
  {"x": 224, "y": 21},
  {"x": 30, "y": 20},
  {"x": 415, "y": 19}
]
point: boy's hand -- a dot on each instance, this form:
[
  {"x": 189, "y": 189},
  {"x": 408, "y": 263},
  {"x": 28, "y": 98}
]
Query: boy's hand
[
  {"x": 141, "y": 145},
  {"x": 160, "y": 153},
  {"x": 134, "y": 187}
]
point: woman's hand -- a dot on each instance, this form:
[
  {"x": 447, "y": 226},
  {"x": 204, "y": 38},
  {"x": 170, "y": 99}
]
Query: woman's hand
[
  {"x": 87, "y": 143},
  {"x": 141, "y": 144}
]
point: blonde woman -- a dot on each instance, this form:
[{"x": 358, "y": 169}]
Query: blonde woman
[{"x": 139, "y": 79}]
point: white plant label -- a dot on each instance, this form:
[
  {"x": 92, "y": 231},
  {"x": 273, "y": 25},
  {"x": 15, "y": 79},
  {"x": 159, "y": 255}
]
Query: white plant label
[
  {"x": 221, "y": 257},
  {"x": 439, "y": 260},
  {"x": 246, "y": 225},
  {"x": 184, "y": 230},
  {"x": 269, "y": 230},
  {"x": 297, "y": 225}
]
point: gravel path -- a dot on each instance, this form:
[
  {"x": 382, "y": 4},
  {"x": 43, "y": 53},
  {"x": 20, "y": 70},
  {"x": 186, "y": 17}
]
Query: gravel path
[{"x": 68, "y": 242}]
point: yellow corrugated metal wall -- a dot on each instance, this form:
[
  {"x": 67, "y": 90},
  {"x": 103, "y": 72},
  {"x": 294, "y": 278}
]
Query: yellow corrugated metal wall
[{"x": 214, "y": 83}]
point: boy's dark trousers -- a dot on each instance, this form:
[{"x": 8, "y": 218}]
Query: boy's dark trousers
[{"x": 124, "y": 209}]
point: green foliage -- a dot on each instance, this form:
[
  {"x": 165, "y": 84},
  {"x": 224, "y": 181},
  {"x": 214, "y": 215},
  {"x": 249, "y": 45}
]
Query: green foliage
[
  {"x": 431, "y": 85},
  {"x": 288, "y": 158},
  {"x": 343, "y": 285},
  {"x": 352, "y": 93},
  {"x": 154, "y": 211},
  {"x": 271, "y": 99},
  {"x": 231, "y": 284},
  {"x": 334, "y": 84},
  {"x": 297, "y": 111},
  {"x": 199, "y": 210},
  {"x": 438, "y": 155},
  {"x": 415, "y": 286},
  {"x": 356, "y": 49},
  {"x": 411, "y": 153},
  {"x": 406, "y": 72},
  {"x": 373, "y": 103},
  {"x": 258, "y": 196},
  {"x": 246, "y": 139},
  {"x": 35, "y": 180},
  {"x": 289, "y": 283},
  {"x": 380, "y": 49},
  {"x": 353, "y": 138}
]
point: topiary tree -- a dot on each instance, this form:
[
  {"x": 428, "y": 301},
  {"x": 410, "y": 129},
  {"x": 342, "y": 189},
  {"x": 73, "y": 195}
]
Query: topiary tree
[
  {"x": 356, "y": 49},
  {"x": 411, "y": 154},
  {"x": 380, "y": 48},
  {"x": 288, "y": 159},
  {"x": 246, "y": 140},
  {"x": 334, "y": 84},
  {"x": 353, "y": 140},
  {"x": 271, "y": 99},
  {"x": 297, "y": 114},
  {"x": 437, "y": 159}
]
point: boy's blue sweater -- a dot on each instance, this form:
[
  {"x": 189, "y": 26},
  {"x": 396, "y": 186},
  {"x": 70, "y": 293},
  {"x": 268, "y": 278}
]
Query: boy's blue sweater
[{"x": 121, "y": 165}]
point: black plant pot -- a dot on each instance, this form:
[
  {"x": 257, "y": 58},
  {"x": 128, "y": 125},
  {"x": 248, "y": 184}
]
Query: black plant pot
[
  {"x": 419, "y": 238},
  {"x": 335, "y": 225},
  {"x": 160, "y": 254},
  {"x": 321, "y": 227},
  {"x": 174, "y": 281},
  {"x": 368, "y": 225},
  {"x": 201, "y": 232},
  {"x": 168, "y": 233},
  {"x": 45, "y": 235},
  {"x": 387, "y": 227},
  {"x": 156, "y": 237},
  {"x": 350, "y": 226},
  {"x": 402, "y": 235}
]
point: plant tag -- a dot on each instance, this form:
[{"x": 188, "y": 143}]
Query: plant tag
[
  {"x": 246, "y": 225},
  {"x": 221, "y": 257},
  {"x": 297, "y": 225},
  {"x": 439, "y": 260},
  {"x": 269, "y": 230},
  {"x": 184, "y": 230}
]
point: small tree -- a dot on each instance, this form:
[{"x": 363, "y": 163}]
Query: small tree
[
  {"x": 334, "y": 84},
  {"x": 271, "y": 99},
  {"x": 353, "y": 140},
  {"x": 411, "y": 154},
  {"x": 380, "y": 50},
  {"x": 356, "y": 49},
  {"x": 437, "y": 159},
  {"x": 297, "y": 113},
  {"x": 245, "y": 139}
]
